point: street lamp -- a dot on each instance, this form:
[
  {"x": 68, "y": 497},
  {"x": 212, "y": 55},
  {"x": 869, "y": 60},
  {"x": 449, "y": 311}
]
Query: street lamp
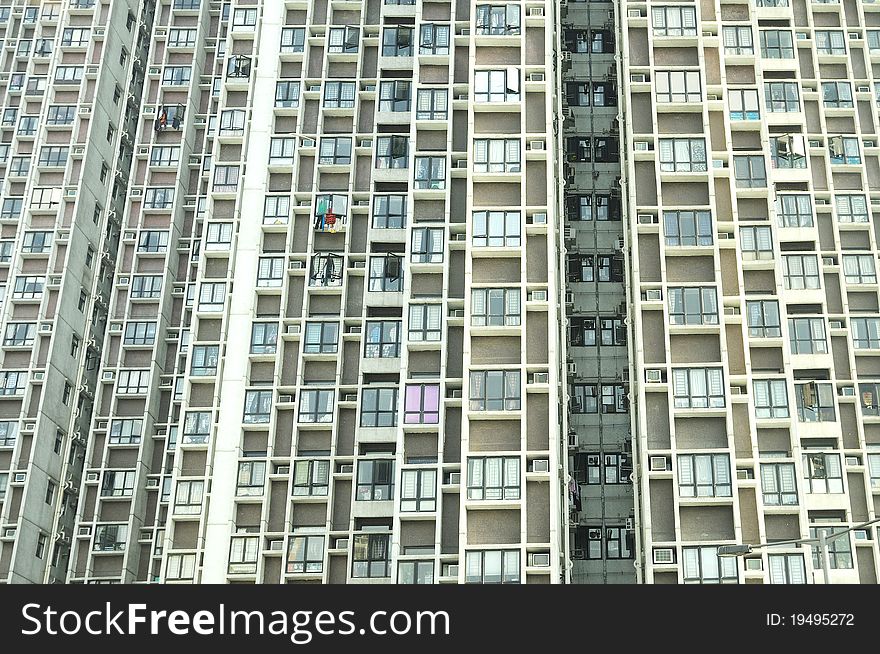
[{"x": 821, "y": 540}]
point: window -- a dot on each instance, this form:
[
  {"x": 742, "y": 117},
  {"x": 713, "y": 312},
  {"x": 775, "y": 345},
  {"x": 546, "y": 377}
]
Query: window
[
  {"x": 581, "y": 268},
  {"x": 492, "y": 567},
  {"x": 496, "y": 85},
  {"x": 582, "y": 331},
  {"x": 422, "y": 404},
  {"x": 865, "y": 333},
  {"x": 501, "y": 20},
  {"x": 71, "y": 36},
  {"x": 126, "y": 431},
  {"x": 311, "y": 478},
  {"x": 146, "y": 287},
  {"x": 386, "y": 273},
  {"x": 321, "y": 338},
  {"x": 251, "y": 478},
  {"x": 282, "y": 151},
  {"x": 159, "y": 198},
  {"x": 687, "y": 228},
  {"x": 20, "y": 334},
  {"x": 226, "y": 179},
  {"x": 778, "y": 484},
  {"x": 829, "y": 42},
  {"x": 382, "y": 339},
  {"x": 738, "y": 40},
  {"x": 397, "y": 42},
  {"x": 763, "y": 319},
  {"x": 493, "y": 478},
  {"x": 176, "y": 75},
  {"x": 609, "y": 268},
  {"x": 181, "y": 37},
  {"x": 702, "y": 565},
  {"x": 837, "y": 94},
  {"x": 704, "y": 475},
  {"x": 258, "y": 406},
  {"x": 270, "y": 272},
  {"x": 181, "y": 566},
  {"x": 315, "y": 406},
  {"x": 53, "y": 155},
  {"x": 238, "y": 67},
  {"x": 777, "y": 44},
  {"x": 674, "y": 21},
  {"x": 743, "y": 104},
  {"x": 787, "y": 569},
  {"x": 771, "y": 398},
  {"x": 232, "y": 121},
  {"x": 495, "y": 307},
  {"x": 597, "y": 94},
  {"x": 276, "y": 211},
  {"x": 204, "y": 360},
  {"x": 822, "y": 472},
  {"x": 343, "y": 39},
  {"x": 430, "y": 173},
  {"x": 379, "y": 407},
  {"x": 873, "y": 469},
  {"x": 212, "y": 296},
  {"x": 153, "y": 241},
  {"x": 750, "y": 171},
  {"x": 133, "y": 382},
  {"x": 392, "y": 152},
  {"x": 69, "y": 74},
  {"x": 27, "y": 126},
  {"x": 807, "y": 336},
  {"x": 4, "y": 484},
  {"x": 118, "y": 483},
  {"x": 287, "y": 94},
  {"x": 613, "y": 398},
  {"x": 840, "y": 555},
  {"x": 683, "y": 155},
  {"x": 495, "y": 390},
  {"x": 11, "y": 209},
  {"x": 375, "y": 480},
  {"x": 844, "y": 150},
  {"x": 188, "y": 499},
  {"x": 801, "y": 271},
  {"x": 815, "y": 402},
  {"x": 264, "y": 337},
  {"x": 418, "y": 490},
  {"x": 418, "y": 572},
  {"x": 695, "y": 305},
  {"x": 497, "y": 229},
  {"x": 335, "y": 151},
  {"x": 427, "y": 245},
  {"x": 218, "y": 236},
  {"x": 110, "y": 538},
  {"x": 431, "y": 103},
  {"x": 140, "y": 333},
  {"x": 595, "y": 469},
  {"x": 433, "y": 39},
  {"x": 326, "y": 270},
  {"x": 496, "y": 156},
  {"x": 851, "y": 208},
  {"x": 859, "y": 269},
  {"x": 389, "y": 211},
  {"x": 165, "y": 155},
  {"x": 425, "y": 322},
  {"x": 795, "y": 210},
  {"x": 371, "y": 556},
  {"x": 243, "y": 553},
  {"x": 293, "y": 39},
  {"x": 585, "y": 398},
  {"x": 788, "y": 152},
  {"x": 395, "y": 95},
  {"x": 305, "y": 555},
  {"x": 197, "y": 427},
  {"x": 338, "y": 95},
  {"x": 698, "y": 388},
  {"x": 8, "y": 433}
]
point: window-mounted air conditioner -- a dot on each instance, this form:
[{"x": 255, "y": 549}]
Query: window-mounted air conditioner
[
  {"x": 539, "y": 559},
  {"x": 91, "y": 476},
  {"x": 346, "y": 468},
  {"x": 282, "y": 470},
  {"x": 538, "y": 296},
  {"x": 654, "y": 375},
  {"x": 539, "y": 218},
  {"x": 541, "y": 378},
  {"x": 664, "y": 555},
  {"x": 340, "y": 544},
  {"x": 653, "y": 295},
  {"x": 658, "y": 464}
]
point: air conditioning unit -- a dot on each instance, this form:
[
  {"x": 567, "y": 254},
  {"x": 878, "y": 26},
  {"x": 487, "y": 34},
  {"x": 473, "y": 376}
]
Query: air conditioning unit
[
  {"x": 456, "y": 313},
  {"x": 450, "y": 570},
  {"x": 541, "y": 465},
  {"x": 572, "y": 368},
  {"x": 9, "y": 532},
  {"x": 537, "y": 145},
  {"x": 630, "y": 524},
  {"x": 308, "y": 143},
  {"x": 93, "y": 476},
  {"x": 646, "y": 219},
  {"x": 541, "y": 378},
  {"x": 736, "y": 390},
  {"x": 828, "y": 261},
  {"x": 744, "y": 473},
  {"x": 350, "y": 397},
  {"x": 654, "y": 295},
  {"x": 536, "y": 11},
  {"x": 638, "y": 78},
  {"x": 538, "y": 296},
  {"x": 84, "y": 531},
  {"x": 578, "y": 554},
  {"x": 863, "y": 89},
  {"x": 153, "y": 482},
  {"x": 569, "y": 297},
  {"x": 754, "y": 564},
  {"x": 454, "y": 478},
  {"x": 539, "y": 218},
  {"x": 640, "y": 146},
  {"x": 654, "y": 376},
  {"x": 848, "y": 391},
  {"x": 19, "y": 477},
  {"x": 359, "y": 264},
  {"x": 346, "y": 468},
  {"x": 340, "y": 544},
  {"x": 460, "y": 237},
  {"x": 282, "y": 470},
  {"x": 455, "y": 393},
  {"x": 658, "y": 464},
  {"x": 853, "y": 461},
  {"x": 539, "y": 559},
  {"x": 536, "y": 77},
  {"x": 664, "y": 555},
  {"x": 285, "y": 399}
]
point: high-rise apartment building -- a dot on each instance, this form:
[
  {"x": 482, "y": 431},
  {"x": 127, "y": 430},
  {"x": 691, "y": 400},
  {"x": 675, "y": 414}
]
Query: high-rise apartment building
[
  {"x": 752, "y": 182},
  {"x": 410, "y": 291}
]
